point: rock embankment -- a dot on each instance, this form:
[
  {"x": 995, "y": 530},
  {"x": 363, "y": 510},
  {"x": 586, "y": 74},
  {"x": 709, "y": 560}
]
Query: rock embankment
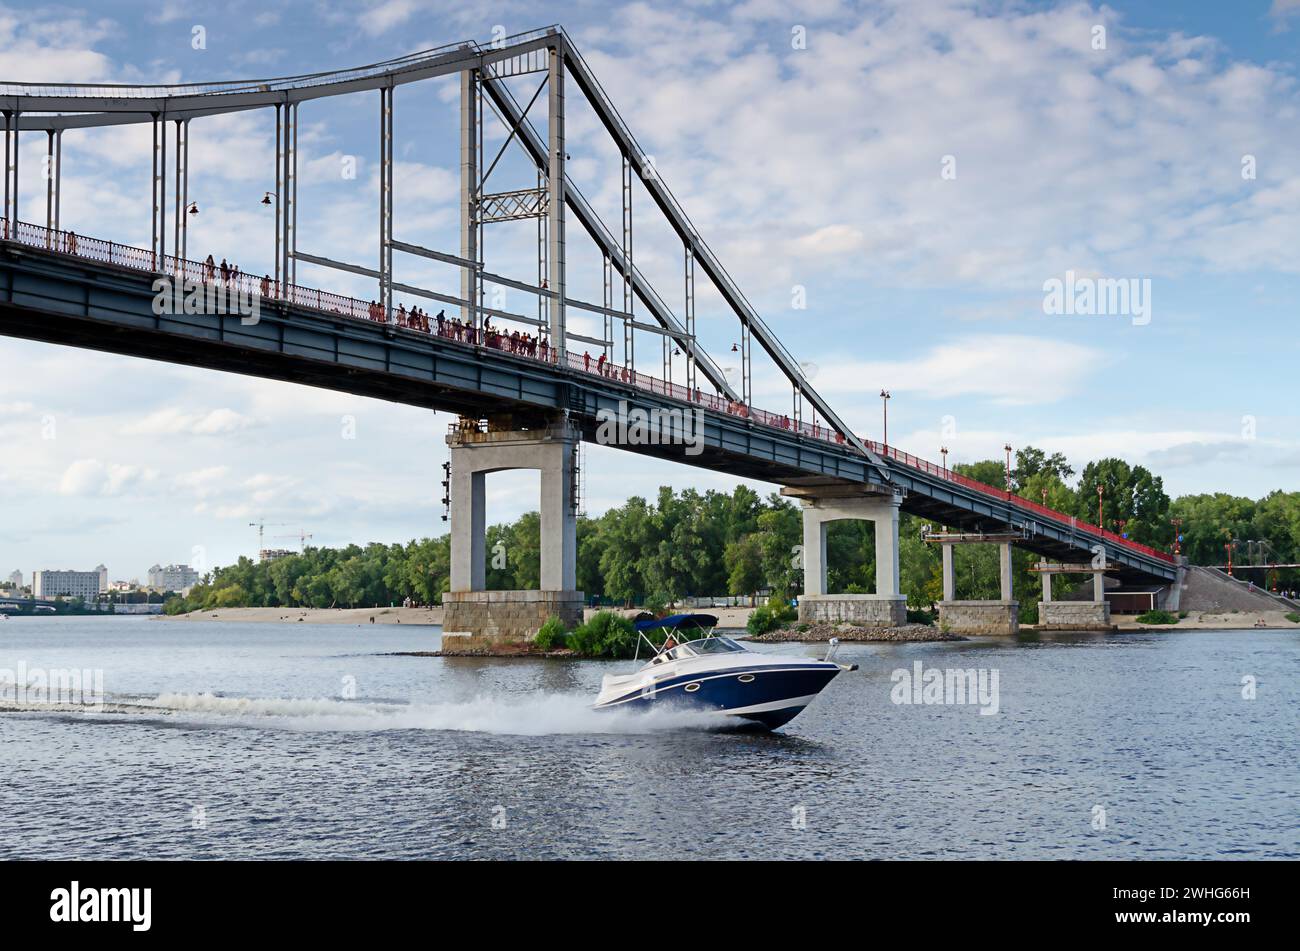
[{"x": 849, "y": 633}]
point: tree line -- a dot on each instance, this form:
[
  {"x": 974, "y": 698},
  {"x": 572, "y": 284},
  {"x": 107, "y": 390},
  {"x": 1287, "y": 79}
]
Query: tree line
[{"x": 712, "y": 543}]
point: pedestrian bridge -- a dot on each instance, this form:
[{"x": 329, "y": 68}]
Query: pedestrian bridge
[{"x": 528, "y": 389}]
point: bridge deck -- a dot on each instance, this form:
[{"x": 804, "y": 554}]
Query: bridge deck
[{"x": 934, "y": 491}]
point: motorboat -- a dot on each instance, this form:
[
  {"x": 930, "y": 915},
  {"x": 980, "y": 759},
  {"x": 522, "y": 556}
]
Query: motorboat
[{"x": 696, "y": 669}]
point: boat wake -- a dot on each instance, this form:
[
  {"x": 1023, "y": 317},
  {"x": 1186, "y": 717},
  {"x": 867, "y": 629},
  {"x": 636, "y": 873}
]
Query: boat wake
[{"x": 536, "y": 714}]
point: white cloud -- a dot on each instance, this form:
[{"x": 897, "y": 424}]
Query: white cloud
[
  {"x": 1005, "y": 368},
  {"x": 91, "y": 477},
  {"x": 171, "y": 421},
  {"x": 384, "y": 16}
]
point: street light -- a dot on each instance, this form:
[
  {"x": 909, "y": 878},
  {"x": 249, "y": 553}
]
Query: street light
[
  {"x": 1007, "y": 447},
  {"x": 943, "y": 451},
  {"x": 884, "y": 405},
  {"x": 1178, "y": 534},
  {"x": 1100, "y": 522}
]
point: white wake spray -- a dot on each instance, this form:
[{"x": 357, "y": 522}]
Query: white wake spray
[{"x": 536, "y": 714}]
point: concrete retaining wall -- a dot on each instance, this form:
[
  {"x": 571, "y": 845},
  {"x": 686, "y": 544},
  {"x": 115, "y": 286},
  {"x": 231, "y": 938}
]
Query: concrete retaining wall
[
  {"x": 1074, "y": 616},
  {"x": 477, "y": 622},
  {"x": 980, "y": 617},
  {"x": 862, "y": 610}
]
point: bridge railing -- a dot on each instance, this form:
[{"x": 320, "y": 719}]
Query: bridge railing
[{"x": 205, "y": 274}]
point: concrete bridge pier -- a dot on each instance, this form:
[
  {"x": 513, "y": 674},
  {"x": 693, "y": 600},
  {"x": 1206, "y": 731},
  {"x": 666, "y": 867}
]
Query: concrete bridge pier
[
  {"x": 1001, "y": 617},
  {"x": 1093, "y": 615},
  {"x": 478, "y": 621},
  {"x": 887, "y": 607}
]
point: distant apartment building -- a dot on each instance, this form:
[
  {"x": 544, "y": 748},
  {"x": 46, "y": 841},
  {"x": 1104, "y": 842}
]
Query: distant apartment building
[
  {"x": 274, "y": 554},
  {"x": 69, "y": 584},
  {"x": 16, "y": 580},
  {"x": 179, "y": 578}
]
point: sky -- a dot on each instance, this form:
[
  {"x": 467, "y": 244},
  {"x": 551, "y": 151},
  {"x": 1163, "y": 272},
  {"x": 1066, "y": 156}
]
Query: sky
[{"x": 894, "y": 185}]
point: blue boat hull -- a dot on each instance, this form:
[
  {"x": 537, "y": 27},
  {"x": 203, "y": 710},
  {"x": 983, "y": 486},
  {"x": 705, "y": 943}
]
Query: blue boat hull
[{"x": 769, "y": 700}]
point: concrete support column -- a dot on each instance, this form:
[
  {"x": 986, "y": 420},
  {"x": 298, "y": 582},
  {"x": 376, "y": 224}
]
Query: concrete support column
[
  {"x": 473, "y": 455},
  {"x": 1004, "y": 563},
  {"x": 1099, "y": 588},
  {"x": 887, "y": 571},
  {"x": 886, "y": 607},
  {"x": 468, "y": 525},
  {"x": 949, "y": 576},
  {"x": 814, "y": 554},
  {"x": 478, "y": 621},
  {"x": 1047, "y": 587},
  {"x": 559, "y": 570}
]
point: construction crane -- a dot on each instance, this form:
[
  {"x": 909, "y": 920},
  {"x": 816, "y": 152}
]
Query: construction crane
[
  {"x": 261, "y": 531},
  {"x": 301, "y": 536}
]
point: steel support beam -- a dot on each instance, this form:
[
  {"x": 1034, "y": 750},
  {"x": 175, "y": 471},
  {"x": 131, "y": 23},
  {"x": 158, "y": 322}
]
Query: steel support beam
[
  {"x": 53, "y": 179},
  {"x": 629, "y": 297},
  {"x": 158, "y": 203},
  {"x": 688, "y": 311},
  {"x": 11, "y": 133},
  {"x": 632, "y": 152},
  {"x": 286, "y": 194},
  {"x": 469, "y": 192},
  {"x": 505, "y": 102},
  {"x": 555, "y": 184},
  {"x": 181, "y": 191},
  {"x": 386, "y": 202}
]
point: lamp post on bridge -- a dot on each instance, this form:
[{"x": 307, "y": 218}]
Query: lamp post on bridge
[
  {"x": 943, "y": 451},
  {"x": 1007, "y": 447},
  {"x": 884, "y": 406},
  {"x": 1178, "y": 534},
  {"x": 1100, "y": 523}
]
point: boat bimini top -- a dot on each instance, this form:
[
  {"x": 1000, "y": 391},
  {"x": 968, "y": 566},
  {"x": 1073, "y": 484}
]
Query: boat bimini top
[{"x": 675, "y": 626}]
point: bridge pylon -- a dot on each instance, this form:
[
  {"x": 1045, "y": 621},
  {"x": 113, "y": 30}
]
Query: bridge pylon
[
  {"x": 887, "y": 607},
  {"x": 1000, "y": 617},
  {"x": 479, "y": 621}
]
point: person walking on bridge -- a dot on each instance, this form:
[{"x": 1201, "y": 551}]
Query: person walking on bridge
[
  {"x": 210, "y": 268},
  {"x": 586, "y": 360}
]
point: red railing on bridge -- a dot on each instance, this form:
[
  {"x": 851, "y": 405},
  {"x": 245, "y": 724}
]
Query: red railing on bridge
[{"x": 109, "y": 252}]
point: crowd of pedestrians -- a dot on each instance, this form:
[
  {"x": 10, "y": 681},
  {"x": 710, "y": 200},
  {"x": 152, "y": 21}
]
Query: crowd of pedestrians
[{"x": 517, "y": 342}]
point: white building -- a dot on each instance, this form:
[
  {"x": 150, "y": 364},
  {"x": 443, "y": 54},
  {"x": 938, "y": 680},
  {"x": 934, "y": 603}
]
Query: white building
[
  {"x": 179, "y": 578},
  {"x": 67, "y": 584}
]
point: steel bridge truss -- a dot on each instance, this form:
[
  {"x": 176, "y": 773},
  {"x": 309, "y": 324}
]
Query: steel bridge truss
[{"x": 483, "y": 70}]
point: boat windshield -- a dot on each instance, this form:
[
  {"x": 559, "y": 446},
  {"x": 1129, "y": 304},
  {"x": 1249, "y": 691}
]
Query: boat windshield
[
  {"x": 714, "y": 645},
  {"x": 705, "y": 645}
]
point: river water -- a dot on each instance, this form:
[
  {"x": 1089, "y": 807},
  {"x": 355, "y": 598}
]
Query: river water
[{"x": 313, "y": 741}]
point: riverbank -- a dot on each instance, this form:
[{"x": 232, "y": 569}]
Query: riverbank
[
  {"x": 1213, "y": 621},
  {"x": 850, "y": 634},
  {"x": 354, "y": 616},
  {"x": 729, "y": 619}
]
